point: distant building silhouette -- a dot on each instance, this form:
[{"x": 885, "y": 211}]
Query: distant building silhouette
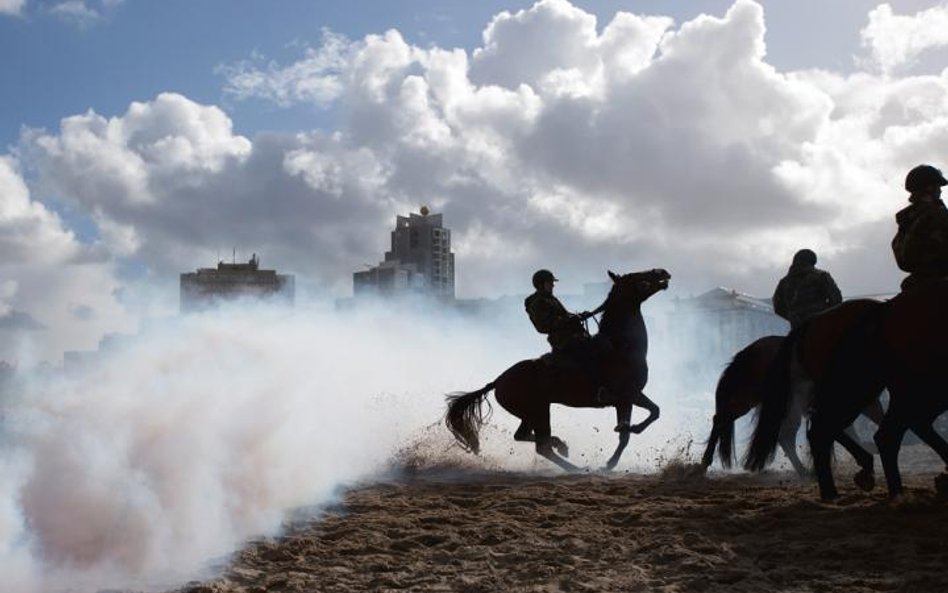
[
  {"x": 208, "y": 286},
  {"x": 420, "y": 261}
]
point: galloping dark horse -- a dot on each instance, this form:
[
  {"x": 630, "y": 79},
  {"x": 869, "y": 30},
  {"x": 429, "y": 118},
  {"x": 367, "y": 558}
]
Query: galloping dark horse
[
  {"x": 803, "y": 362},
  {"x": 527, "y": 389},
  {"x": 900, "y": 345},
  {"x": 740, "y": 389}
]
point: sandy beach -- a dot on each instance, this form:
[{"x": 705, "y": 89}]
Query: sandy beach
[{"x": 471, "y": 530}]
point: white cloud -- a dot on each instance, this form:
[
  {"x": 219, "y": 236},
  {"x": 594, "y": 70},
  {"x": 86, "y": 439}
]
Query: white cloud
[
  {"x": 633, "y": 145},
  {"x": 13, "y": 7},
  {"x": 83, "y": 12},
  {"x": 896, "y": 40},
  {"x": 315, "y": 78},
  {"x": 42, "y": 269}
]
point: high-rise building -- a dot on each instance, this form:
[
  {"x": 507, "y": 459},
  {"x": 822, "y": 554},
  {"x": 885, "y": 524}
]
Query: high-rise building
[
  {"x": 208, "y": 286},
  {"x": 420, "y": 260}
]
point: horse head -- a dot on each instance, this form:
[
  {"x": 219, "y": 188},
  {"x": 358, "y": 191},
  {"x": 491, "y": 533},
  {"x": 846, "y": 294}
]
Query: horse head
[{"x": 636, "y": 287}]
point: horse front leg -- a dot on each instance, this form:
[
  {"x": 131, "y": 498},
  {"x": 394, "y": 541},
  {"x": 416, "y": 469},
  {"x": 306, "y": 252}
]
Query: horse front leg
[
  {"x": 821, "y": 445},
  {"x": 640, "y": 400},
  {"x": 623, "y": 421}
]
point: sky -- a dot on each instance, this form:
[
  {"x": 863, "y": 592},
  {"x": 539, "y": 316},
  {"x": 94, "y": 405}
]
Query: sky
[{"x": 140, "y": 140}]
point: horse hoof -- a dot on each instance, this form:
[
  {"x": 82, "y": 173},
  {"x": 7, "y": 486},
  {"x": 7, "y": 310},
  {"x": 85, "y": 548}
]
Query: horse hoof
[
  {"x": 865, "y": 480},
  {"x": 560, "y": 446},
  {"x": 829, "y": 496},
  {"x": 941, "y": 485}
]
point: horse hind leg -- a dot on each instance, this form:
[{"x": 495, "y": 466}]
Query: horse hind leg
[
  {"x": 547, "y": 444},
  {"x": 524, "y": 433},
  {"x": 708, "y": 458},
  {"x": 788, "y": 442},
  {"x": 865, "y": 477},
  {"x": 889, "y": 440},
  {"x": 821, "y": 446},
  {"x": 925, "y": 431}
]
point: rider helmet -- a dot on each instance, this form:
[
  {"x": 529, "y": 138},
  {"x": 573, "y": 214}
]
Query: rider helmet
[
  {"x": 804, "y": 257},
  {"x": 542, "y": 276},
  {"x": 923, "y": 176}
]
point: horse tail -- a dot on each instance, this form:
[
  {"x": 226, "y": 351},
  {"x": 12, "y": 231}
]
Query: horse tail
[
  {"x": 775, "y": 397},
  {"x": 465, "y": 417}
]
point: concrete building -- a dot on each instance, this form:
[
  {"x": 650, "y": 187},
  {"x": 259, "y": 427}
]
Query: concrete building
[
  {"x": 707, "y": 330},
  {"x": 208, "y": 286},
  {"x": 420, "y": 261}
]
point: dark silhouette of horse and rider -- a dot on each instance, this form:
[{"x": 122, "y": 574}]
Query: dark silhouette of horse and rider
[
  {"x": 582, "y": 371},
  {"x": 833, "y": 365}
]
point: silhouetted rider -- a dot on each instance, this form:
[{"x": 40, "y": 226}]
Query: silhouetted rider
[
  {"x": 805, "y": 290},
  {"x": 564, "y": 330},
  {"x": 921, "y": 244}
]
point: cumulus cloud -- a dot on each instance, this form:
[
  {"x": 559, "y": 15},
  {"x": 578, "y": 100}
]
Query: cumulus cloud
[
  {"x": 314, "y": 78},
  {"x": 896, "y": 40},
  {"x": 13, "y": 7},
  {"x": 42, "y": 268},
  {"x": 561, "y": 142}
]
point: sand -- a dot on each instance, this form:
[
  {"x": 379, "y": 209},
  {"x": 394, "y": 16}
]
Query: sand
[{"x": 469, "y": 530}]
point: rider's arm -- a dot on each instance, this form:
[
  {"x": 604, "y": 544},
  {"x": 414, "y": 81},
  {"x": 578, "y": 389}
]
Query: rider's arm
[
  {"x": 833, "y": 296},
  {"x": 780, "y": 307}
]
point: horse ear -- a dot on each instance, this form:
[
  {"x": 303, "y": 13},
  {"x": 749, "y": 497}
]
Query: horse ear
[{"x": 611, "y": 275}]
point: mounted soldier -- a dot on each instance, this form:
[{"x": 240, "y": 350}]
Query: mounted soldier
[
  {"x": 570, "y": 341},
  {"x": 805, "y": 290},
  {"x": 564, "y": 330},
  {"x": 921, "y": 244}
]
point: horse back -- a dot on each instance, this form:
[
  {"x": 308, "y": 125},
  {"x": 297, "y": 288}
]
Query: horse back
[
  {"x": 534, "y": 382},
  {"x": 916, "y": 331},
  {"x": 825, "y": 332}
]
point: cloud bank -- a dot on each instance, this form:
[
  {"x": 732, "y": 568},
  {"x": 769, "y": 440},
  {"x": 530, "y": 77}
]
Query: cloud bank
[{"x": 560, "y": 142}]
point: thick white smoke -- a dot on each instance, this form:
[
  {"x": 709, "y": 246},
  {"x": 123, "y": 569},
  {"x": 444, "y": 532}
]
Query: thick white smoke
[{"x": 147, "y": 467}]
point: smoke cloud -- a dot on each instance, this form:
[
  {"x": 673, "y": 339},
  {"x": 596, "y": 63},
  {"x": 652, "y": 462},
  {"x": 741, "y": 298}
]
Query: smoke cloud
[{"x": 147, "y": 467}]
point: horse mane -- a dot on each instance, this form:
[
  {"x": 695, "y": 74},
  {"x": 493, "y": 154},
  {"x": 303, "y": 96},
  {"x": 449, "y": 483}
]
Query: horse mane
[{"x": 609, "y": 309}]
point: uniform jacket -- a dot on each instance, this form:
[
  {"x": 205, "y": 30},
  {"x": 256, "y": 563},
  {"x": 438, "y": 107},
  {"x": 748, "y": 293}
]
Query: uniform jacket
[
  {"x": 921, "y": 244},
  {"x": 804, "y": 292},
  {"x": 550, "y": 317}
]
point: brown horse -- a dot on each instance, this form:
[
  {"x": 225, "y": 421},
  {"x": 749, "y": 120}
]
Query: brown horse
[
  {"x": 739, "y": 390},
  {"x": 899, "y": 344},
  {"x": 527, "y": 389}
]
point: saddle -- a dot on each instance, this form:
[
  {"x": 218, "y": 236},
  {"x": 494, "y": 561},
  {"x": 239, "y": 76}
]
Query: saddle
[{"x": 562, "y": 360}]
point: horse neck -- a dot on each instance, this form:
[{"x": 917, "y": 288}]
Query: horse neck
[{"x": 620, "y": 322}]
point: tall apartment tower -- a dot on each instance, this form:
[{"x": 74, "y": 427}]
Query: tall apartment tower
[{"x": 420, "y": 260}]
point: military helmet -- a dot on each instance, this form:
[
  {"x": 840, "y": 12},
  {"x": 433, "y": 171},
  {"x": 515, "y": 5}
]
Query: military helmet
[
  {"x": 542, "y": 276},
  {"x": 923, "y": 176},
  {"x": 804, "y": 257}
]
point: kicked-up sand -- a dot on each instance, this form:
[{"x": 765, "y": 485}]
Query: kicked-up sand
[{"x": 454, "y": 529}]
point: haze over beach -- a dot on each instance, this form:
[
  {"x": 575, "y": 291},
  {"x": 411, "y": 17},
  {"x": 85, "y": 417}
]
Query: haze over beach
[{"x": 142, "y": 140}]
